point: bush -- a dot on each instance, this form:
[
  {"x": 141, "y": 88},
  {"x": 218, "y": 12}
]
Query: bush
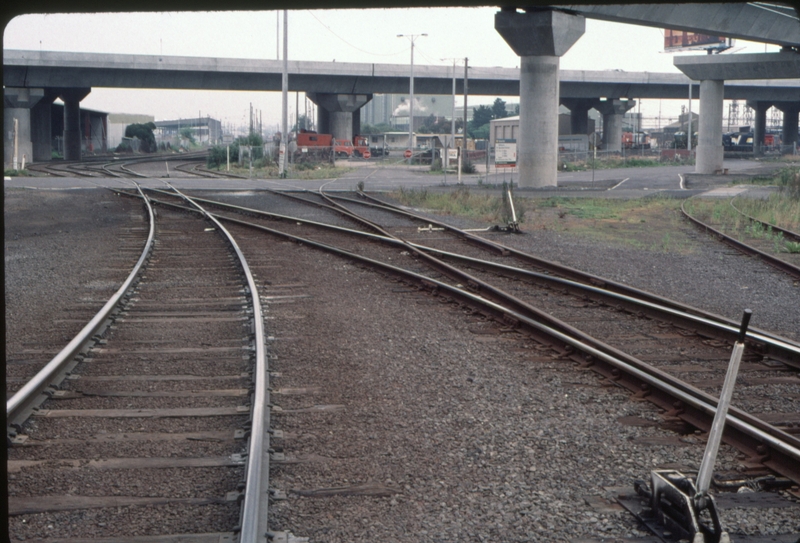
[
  {"x": 789, "y": 181},
  {"x": 124, "y": 147},
  {"x": 218, "y": 155},
  {"x": 468, "y": 167},
  {"x": 145, "y": 134}
]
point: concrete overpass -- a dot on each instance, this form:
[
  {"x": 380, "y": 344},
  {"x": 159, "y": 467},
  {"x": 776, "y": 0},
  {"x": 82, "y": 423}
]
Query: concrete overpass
[
  {"x": 48, "y": 69},
  {"x": 339, "y": 88},
  {"x": 540, "y": 35}
]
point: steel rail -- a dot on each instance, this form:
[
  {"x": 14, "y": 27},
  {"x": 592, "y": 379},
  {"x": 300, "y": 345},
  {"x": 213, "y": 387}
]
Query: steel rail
[
  {"x": 254, "y": 508},
  {"x": 782, "y": 265},
  {"x": 779, "y": 348},
  {"x": 789, "y": 234},
  {"x": 777, "y": 449},
  {"x": 22, "y": 402},
  {"x": 626, "y": 293},
  {"x": 783, "y": 446},
  {"x": 578, "y": 275}
]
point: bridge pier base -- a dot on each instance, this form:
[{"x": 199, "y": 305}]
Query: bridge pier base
[
  {"x": 41, "y": 127},
  {"x": 791, "y": 110},
  {"x": 339, "y": 113},
  {"x": 17, "y": 105},
  {"x": 709, "y": 156},
  {"x": 760, "y": 128},
  {"x": 579, "y": 113},
  {"x": 613, "y": 114},
  {"x": 540, "y": 38},
  {"x": 72, "y": 117}
]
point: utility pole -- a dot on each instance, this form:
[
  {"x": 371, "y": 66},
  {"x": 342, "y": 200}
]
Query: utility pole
[
  {"x": 411, "y": 37},
  {"x": 453, "y": 116},
  {"x": 689, "y": 131},
  {"x": 464, "y": 146},
  {"x": 284, "y": 99}
]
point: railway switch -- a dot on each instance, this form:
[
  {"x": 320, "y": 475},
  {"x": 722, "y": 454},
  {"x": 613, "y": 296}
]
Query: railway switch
[{"x": 679, "y": 506}]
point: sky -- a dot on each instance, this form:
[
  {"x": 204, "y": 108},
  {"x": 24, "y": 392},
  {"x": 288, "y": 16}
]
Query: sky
[{"x": 324, "y": 35}]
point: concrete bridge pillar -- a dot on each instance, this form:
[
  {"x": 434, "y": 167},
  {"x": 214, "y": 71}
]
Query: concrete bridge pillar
[
  {"x": 539, "y": 37},
  {"x": 613, "y": 113},
  {"x": 579, "y": 113},
  {"x": 72, "y": 125},
  {"x": 41, "y": 127},
  {"x": 337, "y": 113},
  {"x": 760, "y": 128},
  {"x": 791, "y": 110},
  {"x": 17, "y": 104},
  {"x": 709, "y": 134}
]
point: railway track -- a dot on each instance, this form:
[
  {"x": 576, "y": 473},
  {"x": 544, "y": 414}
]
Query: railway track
[
  {"x": 787, "y": 234},
  {"x": 696, "y": 360},
  {"x": 484, "y": 293},
  {"x": 761, "y": 249},
  {"x": 159, "y": 406}
]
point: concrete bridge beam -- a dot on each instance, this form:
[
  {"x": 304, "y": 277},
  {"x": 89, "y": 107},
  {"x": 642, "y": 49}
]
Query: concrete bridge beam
[
  {"x": 72, "y": 126},
  {"x": 539, "y": 38},
  {"x": 613, "y": 113},
  {"x": 17, "y": 105},
  {"x": 709, "y": 155},
  {"x": 339, "y": 113}
]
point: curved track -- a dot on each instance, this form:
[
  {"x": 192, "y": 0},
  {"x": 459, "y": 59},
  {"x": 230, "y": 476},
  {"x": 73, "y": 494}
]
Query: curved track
[
  {"x": 751, "y": 435},
  {"x": 772, "y": 260},
  {"x": 169, "y": 378}
]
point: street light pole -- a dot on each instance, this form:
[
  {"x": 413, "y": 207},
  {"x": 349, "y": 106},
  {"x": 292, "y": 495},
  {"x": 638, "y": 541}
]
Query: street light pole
[
  {"x": 284, "y": 145},
  {"x": 411, "y": 37},
  {"x": 453, "y": 116}
]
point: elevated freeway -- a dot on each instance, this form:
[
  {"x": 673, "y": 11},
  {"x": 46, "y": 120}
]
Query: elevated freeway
[{"x": 50, "y": 69}]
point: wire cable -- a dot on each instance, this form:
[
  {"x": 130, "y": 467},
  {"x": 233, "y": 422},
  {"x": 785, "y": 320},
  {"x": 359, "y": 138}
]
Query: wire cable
[{"x": 350, "y": 44}]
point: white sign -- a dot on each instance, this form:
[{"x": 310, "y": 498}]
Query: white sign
[
  {"x": 282, "y": 157},
  {"x": 505, "y": 153}
]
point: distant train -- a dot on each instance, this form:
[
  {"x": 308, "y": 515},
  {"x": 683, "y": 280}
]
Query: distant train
[
  {"x": 638, "y": 140},
  {"x": 742, "y": 142},
  {"x": 313, "y": 146}
]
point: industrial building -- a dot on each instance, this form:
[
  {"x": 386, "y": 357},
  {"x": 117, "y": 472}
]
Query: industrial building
[{"x": 204, "y": 130}]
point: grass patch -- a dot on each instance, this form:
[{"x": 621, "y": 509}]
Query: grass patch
[
  {"x": 459, "y": 202},
  {"x": 779, "y": 209},
  {"x": 613, "y": 163},
  {"x": 294, "y": 171},
  {"x": 650, "y": 223},
  {"x": 16, "y": 173}
]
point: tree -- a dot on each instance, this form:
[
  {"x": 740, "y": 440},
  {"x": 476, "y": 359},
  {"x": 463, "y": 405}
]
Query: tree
[
  {"x": 481, "y": 115},
  {"x": 499, "y": 109},
  {"x": 144, "y": 132},
  {"x": 380, "y": 128},
  {"x": 301, "y": 124},
  {"x": 480, "y": 133},
  {"x": 186, "y": 133}
]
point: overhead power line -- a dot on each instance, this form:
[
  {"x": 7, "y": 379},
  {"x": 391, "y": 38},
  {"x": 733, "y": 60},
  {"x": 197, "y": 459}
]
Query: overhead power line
[{"x": 350, "y": 44}]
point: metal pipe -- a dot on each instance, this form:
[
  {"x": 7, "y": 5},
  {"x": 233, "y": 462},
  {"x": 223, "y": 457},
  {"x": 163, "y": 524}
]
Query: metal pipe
[{"x": 717, "y": 427}]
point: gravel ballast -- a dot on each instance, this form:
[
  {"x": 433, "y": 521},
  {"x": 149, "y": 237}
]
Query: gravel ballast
[{"x": 434, "y": 425}]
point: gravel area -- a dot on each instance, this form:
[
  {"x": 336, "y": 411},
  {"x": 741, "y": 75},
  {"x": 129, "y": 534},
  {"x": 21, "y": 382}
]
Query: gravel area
[{"x": 421, "y": 421}]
